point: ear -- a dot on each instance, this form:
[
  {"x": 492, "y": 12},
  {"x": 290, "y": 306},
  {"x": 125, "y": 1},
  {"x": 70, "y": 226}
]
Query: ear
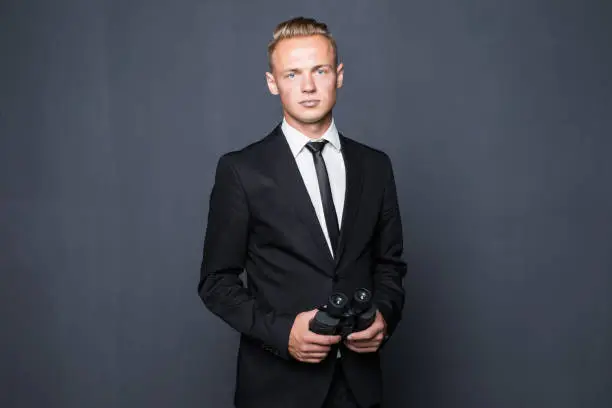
[
  {"x": 271, "y": 83},
  {"x": 339, "y": 75}
]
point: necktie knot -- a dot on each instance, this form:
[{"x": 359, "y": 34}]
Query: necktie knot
[{"x": 316, "y": 147}]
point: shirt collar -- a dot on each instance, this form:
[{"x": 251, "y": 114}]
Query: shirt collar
[{"x": 297, "y": 140}]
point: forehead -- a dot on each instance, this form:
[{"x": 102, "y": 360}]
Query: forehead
[{"x": 300, "y": 52}]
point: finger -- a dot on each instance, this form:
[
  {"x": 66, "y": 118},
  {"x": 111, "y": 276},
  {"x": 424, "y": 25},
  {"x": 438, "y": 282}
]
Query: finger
[
  {"x": 352, "y": 347},
  {"x": 376, "y": 339},
  {"x": 364, "y": 345},
  {"x": 370, "y": 349},
  {"x": 375, "y": 342},
  {"x": 360, "y": 339},
  {"x": 329, "y": 340},
  {"x": 314, "y": 338},
  {"x": 315, "y": 348},
  {"x": 369, "y": 344},
  {"x": 315, "y": 354},
  {"x": 313, "y": 358},
  {"x": 367, "y": 334}
]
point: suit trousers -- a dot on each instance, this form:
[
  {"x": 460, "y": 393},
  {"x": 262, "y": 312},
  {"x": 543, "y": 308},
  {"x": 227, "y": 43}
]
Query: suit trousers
[{"x": 340, "y": 395}]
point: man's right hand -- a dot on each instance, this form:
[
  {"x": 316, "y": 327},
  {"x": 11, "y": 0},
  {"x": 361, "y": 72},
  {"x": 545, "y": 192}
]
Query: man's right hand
[{"x": 306, "y": 346}]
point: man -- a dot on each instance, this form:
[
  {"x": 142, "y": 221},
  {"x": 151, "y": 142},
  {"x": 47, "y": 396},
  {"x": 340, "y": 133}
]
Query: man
[{"x": 305, "y": 212}]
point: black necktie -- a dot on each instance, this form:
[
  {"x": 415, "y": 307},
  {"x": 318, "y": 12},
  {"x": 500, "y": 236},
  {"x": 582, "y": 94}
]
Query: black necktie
[{"x": 331, "y": 218}]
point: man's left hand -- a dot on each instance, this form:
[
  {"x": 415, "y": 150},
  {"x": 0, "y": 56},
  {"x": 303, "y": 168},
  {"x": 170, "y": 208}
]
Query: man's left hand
[{"x": 370, "y": 339}]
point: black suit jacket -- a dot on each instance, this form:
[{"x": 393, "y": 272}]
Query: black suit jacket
[{"x": 261, "y": 220}]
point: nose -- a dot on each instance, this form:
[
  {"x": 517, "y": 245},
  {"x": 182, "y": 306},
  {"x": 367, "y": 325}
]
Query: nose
[{"x": 308, "y": 85}]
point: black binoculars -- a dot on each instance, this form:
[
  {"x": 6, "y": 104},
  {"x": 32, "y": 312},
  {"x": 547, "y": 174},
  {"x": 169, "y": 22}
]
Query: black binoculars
[{"x": 341, "y": 317}]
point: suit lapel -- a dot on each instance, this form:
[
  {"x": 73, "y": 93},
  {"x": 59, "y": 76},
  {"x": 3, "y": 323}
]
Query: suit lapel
[
  {"x": 291, "y": 183},
  {"x": 354, "y": 183}
]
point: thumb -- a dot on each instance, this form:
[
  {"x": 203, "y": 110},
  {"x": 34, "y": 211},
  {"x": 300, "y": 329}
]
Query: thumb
[
  {"x": 312, "y": 313},
  {"x": 309, "y": 315}
]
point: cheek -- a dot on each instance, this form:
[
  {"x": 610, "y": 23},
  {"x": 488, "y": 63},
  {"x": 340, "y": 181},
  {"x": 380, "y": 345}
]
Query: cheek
[
  {"x": 295, "y": 92},
  {"x": 286, "y": 94},
  {"x": 327, "y": 84}
]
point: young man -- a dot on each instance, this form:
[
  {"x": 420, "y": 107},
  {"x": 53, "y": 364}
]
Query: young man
[{"x": 306, "y": 212}]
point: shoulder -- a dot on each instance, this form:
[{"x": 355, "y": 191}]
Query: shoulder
[
  {"x": 250, "y": 153},
  {"x": 371, "y": 155}
]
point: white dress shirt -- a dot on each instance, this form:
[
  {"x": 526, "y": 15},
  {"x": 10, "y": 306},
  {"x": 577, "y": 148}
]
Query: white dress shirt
[
  {"x": 334, "y": 162},
  {"x": 335, "y": 169}
]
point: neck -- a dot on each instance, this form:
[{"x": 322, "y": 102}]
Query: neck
[{"x": 312, "y": 130}]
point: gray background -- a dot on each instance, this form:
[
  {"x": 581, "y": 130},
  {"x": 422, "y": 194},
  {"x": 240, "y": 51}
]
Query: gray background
[{"x": 495, "y": 113}]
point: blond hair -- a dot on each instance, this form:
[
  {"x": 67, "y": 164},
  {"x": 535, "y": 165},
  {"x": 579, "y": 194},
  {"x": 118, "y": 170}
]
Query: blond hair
[{"x": 300, "y": 27}]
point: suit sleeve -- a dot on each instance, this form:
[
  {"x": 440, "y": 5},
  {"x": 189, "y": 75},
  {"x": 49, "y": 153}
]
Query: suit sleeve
[
  {"x": 390, "y": 268},
  {"x": 223, "y": 260}
]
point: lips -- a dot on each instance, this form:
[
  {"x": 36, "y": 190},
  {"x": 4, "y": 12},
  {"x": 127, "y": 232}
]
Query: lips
[{"x": 310, "y": 103}]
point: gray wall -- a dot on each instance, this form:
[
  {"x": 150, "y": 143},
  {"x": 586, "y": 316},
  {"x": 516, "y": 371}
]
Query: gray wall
[{"x": 495, "y": 113}]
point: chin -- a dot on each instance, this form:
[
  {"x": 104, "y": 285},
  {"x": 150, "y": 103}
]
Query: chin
[
  {"x": 311, "y": 121},
  {"x": 314, "y": 117}
]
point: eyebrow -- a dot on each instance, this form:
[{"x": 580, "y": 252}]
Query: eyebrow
[{"x": 313, "y": 68}]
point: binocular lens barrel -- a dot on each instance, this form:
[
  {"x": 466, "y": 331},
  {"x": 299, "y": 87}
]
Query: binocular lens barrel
[
  {"x": 338, "y": 300},
  {"x": 337, "y": 304},
  {"x": 362, "y": 295}
]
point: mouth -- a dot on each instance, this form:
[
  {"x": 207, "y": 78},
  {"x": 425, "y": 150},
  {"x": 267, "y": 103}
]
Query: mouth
[{"x": 310, "y": 103}]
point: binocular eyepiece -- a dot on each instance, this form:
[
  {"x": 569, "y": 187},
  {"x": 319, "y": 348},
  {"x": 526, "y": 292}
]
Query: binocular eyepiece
[{"x": 343, "y": 317}]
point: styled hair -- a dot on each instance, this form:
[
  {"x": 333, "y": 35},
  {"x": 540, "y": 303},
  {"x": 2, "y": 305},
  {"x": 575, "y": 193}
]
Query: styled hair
[{"x": 300, "y": 27}]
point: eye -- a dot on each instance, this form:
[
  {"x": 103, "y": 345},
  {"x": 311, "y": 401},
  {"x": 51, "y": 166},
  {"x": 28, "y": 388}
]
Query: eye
[
  {"x": 321, "y": 71},
  {"x": 291, "y": 75}
]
